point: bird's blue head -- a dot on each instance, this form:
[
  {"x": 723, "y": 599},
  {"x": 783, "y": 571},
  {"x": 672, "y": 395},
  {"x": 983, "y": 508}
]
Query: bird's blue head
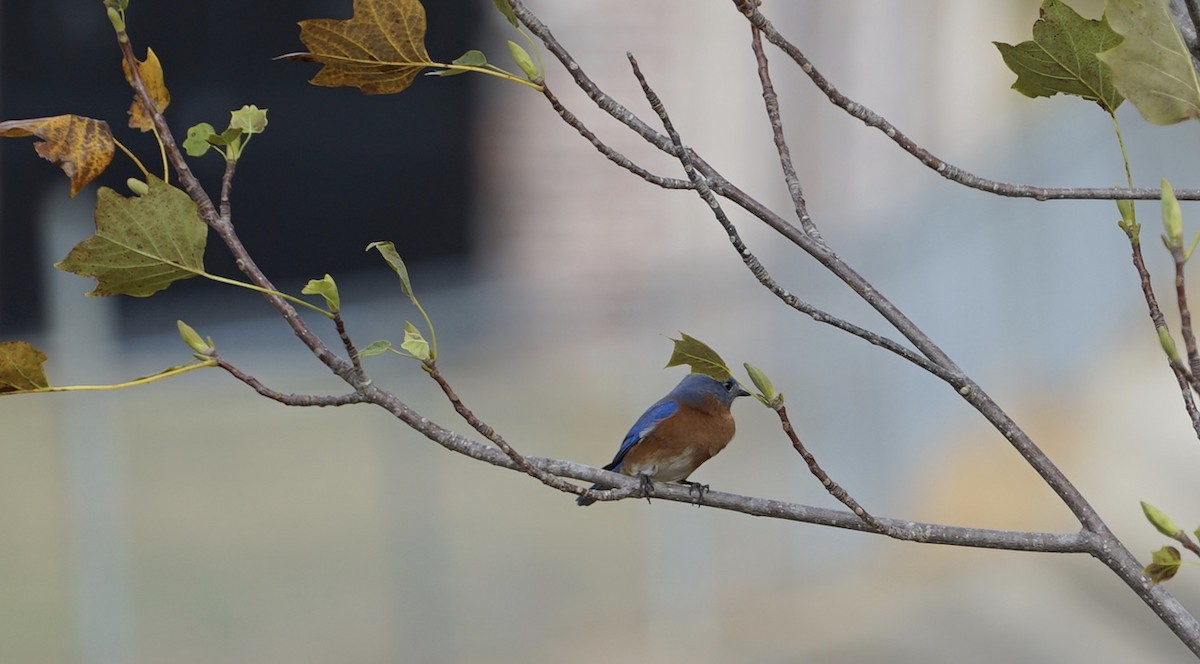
[{"x": 695, "y": 388}]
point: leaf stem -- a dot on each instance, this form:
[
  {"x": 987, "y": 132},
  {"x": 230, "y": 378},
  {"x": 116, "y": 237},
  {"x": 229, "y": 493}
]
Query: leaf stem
[
  {"x": 145, "y": 380},
  {"x": 136, "y": 162},
  {"x": 266, "y": 291},
  {"x": 498, "y": 73}
]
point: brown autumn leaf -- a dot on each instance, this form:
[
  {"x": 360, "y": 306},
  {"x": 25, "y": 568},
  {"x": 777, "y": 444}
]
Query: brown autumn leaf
[
  {"x": 21, "y": 367},
  {"x": 380, "y": 49},
  {"x": 82, "y": 147},
  {"x": 151, "y": 73}
]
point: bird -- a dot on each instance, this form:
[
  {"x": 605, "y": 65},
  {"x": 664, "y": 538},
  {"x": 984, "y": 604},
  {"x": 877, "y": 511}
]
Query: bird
[{"x": 678, "y": 433}]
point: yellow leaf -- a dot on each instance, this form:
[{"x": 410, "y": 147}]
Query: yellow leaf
[
  {"x": 380, "y": 49},
  {"x": 21, "y": 367},
  {"x": 151, "y": 73},
  {"x": 81, "y": 147}
]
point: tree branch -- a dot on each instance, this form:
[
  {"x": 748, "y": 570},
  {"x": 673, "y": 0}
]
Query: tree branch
[
  {"x": 749, "y": 9},
  {"x": 517, "y": 459},
  {"x": 287, "y": 399}
]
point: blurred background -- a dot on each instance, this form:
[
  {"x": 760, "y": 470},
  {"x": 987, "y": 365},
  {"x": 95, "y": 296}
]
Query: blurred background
[{"x": 193, "y": 521}]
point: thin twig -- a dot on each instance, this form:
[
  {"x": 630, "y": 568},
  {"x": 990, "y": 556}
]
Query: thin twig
[
  {"x": 1185, "y": 317},
  {"x": 1182, "y": 376},
  {"x": 340, "y": 324},
  {"x": 517, "y": 458},
  {"x": 834, "y": 489},
  {"x": 612, "y": 155},
  {"x": 226, "y": 189},
  {"x": 224, "y": 227},
  {"x": 750, "y": 10},
  {"x": 288, "y": 399},
  {"x": 702, "y": 189},
  {"x": 771, "y": 101}
]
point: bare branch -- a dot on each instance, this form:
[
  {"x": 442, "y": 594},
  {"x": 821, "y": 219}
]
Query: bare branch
[
  {"x": 518, "y": 460},
  {"x": 612, "y": 155},
  {"x": 1183, "y": 377},
  {"x": 288, "y": 399},
  {"x": 749, "y": 9},
  {"x": 771, "y": 101}
]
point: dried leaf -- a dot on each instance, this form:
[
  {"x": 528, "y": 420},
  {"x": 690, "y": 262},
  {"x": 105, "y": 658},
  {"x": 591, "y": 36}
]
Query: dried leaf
[
  {"x": 142, "y": 244},
  {"x": 1165, "y": 563},
  {"x": 380, "y": 49},
  {"x": 21, "y": 367},
  {"x": 81, "y": 147},
  {"x": 151, "y": 73}
]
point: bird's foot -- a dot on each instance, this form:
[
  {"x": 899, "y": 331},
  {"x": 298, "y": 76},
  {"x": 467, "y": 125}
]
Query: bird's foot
[
  {"x": 647, "y": 486},
  {"x": 695, "y": 489}
]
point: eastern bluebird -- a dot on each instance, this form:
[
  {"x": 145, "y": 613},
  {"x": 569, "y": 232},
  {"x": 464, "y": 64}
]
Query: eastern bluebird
[{"x": 678, "y": 433}]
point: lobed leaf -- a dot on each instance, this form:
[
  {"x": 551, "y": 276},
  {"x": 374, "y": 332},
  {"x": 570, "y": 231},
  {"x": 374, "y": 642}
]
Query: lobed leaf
[
  {"x": 249, "y": 119},
  {"x": 696, "y": 354},
  {"x": 81, "y": 147},
  {"x": 380, "y": 49},
  {"x": 1062, "y": 57},
  {"x": 142, "y": 244}
]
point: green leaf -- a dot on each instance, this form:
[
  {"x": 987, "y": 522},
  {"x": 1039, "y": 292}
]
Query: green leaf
[
  {"x": 694, "y": 353},
  {"x": 505, "y": 8},
  {"x": 230, "y": 136},
  {"x": 472, "y": 58},
  {"x": 1160, "y": 520},
  {"x": 21, "y": 367},
  {"x": 1165, "y": 563},
  {"x": 415, "y": 343},
  {"x": 376, "y": 348},
  {"x": 389, "y": 253},
  {"x": 1062, "y": 57},
  {"x": 142, "y": 244},
  {"x": 1152, "y": 67},
  {"x": 327, "y": 289},
  {"x": 196, "y": 143},
  {"x": 249, "y": 119}
]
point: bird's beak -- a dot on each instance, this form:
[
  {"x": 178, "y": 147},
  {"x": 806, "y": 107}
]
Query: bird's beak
[{"x": 741, "y": 392}]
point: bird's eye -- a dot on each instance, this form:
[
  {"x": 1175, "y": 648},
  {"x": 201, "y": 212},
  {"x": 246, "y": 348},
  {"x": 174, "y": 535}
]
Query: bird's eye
[{"x": 728, "y": 385}]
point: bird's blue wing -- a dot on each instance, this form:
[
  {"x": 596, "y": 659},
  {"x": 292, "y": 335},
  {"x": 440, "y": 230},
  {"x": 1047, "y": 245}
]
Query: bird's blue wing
[{"x": 642, "y": 428}]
